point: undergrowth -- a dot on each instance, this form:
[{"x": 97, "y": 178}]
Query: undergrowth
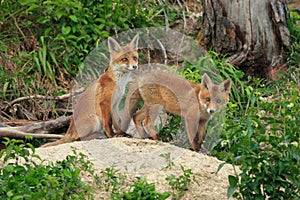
[
  {"x": 43, "y": 44},
  {"x": 260, "y": 134},
  {"x": 24, "y": 175}
]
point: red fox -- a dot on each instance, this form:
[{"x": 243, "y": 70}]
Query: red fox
[
  {"x": 196, "y": 103},
  {"x": 92, "y": 112}
]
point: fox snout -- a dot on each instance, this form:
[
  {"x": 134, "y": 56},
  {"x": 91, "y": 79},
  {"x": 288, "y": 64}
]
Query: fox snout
[
  {"x": 132, "y": 67},
  {"x": 210, "y": 111},
  {"x": 128, "y": 68}
]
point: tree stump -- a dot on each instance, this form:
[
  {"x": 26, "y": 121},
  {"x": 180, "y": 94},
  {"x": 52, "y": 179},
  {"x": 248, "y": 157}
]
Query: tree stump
[{"x": 253, "y": 33}]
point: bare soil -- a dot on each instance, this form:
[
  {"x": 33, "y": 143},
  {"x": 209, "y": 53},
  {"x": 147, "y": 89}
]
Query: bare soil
[{"x": 142, "y": 157}]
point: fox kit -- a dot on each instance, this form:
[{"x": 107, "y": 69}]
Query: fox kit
[
  {"x": 92, "y": 112},
  {"x": 196, "y": 103}
]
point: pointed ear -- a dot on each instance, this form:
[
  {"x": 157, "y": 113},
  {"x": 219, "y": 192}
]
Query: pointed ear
[
  {"x": 134, "y": 42},
  {"x": 113, "y": 46},
  {"x": 206, "y": 81},
  {"x": 227, "y": 85}
]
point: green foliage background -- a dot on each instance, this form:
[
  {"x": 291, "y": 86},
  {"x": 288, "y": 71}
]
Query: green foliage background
[{"x": 43, "y": 45}]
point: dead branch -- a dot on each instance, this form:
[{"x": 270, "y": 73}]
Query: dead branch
[
  {"x": 11, "y": 132},
  {"x": 183, "y": 16},
  {"x": 162, "y": 48},
  {"x": 46, "y": 127},
  {"x": 40, "y": 130},
  {"x": 65, "y": 96}
]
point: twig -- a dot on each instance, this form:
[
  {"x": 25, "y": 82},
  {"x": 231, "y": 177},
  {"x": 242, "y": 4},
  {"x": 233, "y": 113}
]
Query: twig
[
  {"x": 183, "y": 15},
  {"x": 10, "y": 132},
  {"x": 65, "y": 96},
  {"x": 163, "y": 49},
  {"x": 166, "y": 17}
]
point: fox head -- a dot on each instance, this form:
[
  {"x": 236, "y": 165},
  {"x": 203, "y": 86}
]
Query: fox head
[
  {"x": 123, "y": 58},
  {"x": 212, "y": 96}
]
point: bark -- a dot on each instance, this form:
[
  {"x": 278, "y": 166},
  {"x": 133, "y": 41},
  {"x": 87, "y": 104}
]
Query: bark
[
  {"x": 42, "y": 130},
  {"x": 253, "y": 33}
]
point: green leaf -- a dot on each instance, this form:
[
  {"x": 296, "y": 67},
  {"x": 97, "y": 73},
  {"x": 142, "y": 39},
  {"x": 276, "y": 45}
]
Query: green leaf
[
  {"x": 9, "y": 168},
  {"x": 59, "y": 14},
  {"x": 66, "y": 30},
  {"x": 4, "y": 90},
  {"x": 73, "y": 18},
  {"x": 230, "y": 191},
  {"x": 27, "y": 2},
  {"x": 233, "y": 180},
  {"x": 220, "y": 167},
  {"x": 67, "y": 173},
  {"x": 10, "y": 193}
]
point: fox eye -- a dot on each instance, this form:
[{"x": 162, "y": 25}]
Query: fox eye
[
  {"x": 207, "y": 99},
  {"x": 219, "y": 101},
  {"x": 124, "y": 59},
  {"x": 135, "y": 58}
]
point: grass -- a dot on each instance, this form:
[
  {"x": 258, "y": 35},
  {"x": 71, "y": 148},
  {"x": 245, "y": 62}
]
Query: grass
[{"x": 44, "y": 43}]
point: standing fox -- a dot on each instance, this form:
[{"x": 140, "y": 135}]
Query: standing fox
[
  {"x": 92, "y": 112},
  {"x": 196, "y": 103}
]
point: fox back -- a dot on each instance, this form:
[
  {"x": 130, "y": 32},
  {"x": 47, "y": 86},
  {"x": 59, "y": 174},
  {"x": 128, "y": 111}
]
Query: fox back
[
  {"x": 92, "y": 112},
  {"x": 196, "y": 103}
]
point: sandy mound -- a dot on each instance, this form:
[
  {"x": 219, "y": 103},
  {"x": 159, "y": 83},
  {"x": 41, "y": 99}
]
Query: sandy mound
[{"x": 137, "y": 157}]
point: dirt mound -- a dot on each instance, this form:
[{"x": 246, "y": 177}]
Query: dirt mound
[{"x": 149, "y": 159}]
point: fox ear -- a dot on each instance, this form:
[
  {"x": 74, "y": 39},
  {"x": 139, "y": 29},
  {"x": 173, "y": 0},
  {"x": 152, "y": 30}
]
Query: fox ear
[
  {"x": 113, "y": 46},
  {"x": 206, "y": 81},
  {"x": 227, "y": 85},
  {"x": 134, "y": 42}
]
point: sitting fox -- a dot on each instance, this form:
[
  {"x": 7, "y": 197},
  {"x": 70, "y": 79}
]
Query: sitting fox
[
  {"x": 92, "y": 112},
  {"x": 196, "y": 103}
]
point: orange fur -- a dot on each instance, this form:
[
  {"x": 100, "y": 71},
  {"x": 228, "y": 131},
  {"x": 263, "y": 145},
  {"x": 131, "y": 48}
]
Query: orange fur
[
  {"x": 196, "y": 103},
  {"x": 92, "y": 112}
]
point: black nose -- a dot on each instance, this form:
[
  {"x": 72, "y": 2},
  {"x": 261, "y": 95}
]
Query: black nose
[
  {"x": 134, "y": 66},
  {"x": 212, "y": 111}
]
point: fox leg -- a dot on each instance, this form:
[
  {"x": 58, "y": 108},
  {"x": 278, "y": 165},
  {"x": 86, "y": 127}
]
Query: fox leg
[
  {"x": 150, "y": 119},
  {"x": 138, "y": 119},
  {"x": 118, "y": 130},
  {"x": 107, "y": 121},
  {"x": 201, "y": 131},
  {"x": 191, "y": 125},
  {"x": 131, "y": 105}
]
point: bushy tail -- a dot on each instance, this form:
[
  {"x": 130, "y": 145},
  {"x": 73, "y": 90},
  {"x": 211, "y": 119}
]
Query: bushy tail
[
  {"x": 70, "y": 136},
  {"x": 65, "y": 139}
]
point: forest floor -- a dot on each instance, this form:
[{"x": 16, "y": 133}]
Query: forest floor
[{"x": 147, "y": 158}]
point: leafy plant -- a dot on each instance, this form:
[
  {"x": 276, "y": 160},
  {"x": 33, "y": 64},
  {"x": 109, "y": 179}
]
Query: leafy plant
[
  {"x": 169, "y": 160},
  {"x": 180, "y": 184},
  {"x": 44, "y": 43},
  {"x": 265, "y": 143},
  {"x": 24, "y": 175},
  {"x": 113, "y": 180},
  {"x": 294, "y": 49},
  {"x": 143, "y": 190}
]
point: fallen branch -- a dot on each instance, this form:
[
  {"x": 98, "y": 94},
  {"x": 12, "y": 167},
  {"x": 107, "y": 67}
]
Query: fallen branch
[
  {"x": 46, "y": 127},
  {"x": 10, "y": 132},
  {"x": 65, "y": 96},
  {"x": 40, "y": 130}
]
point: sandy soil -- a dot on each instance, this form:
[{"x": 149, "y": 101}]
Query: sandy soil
[{"x": 137, "y": 157}]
